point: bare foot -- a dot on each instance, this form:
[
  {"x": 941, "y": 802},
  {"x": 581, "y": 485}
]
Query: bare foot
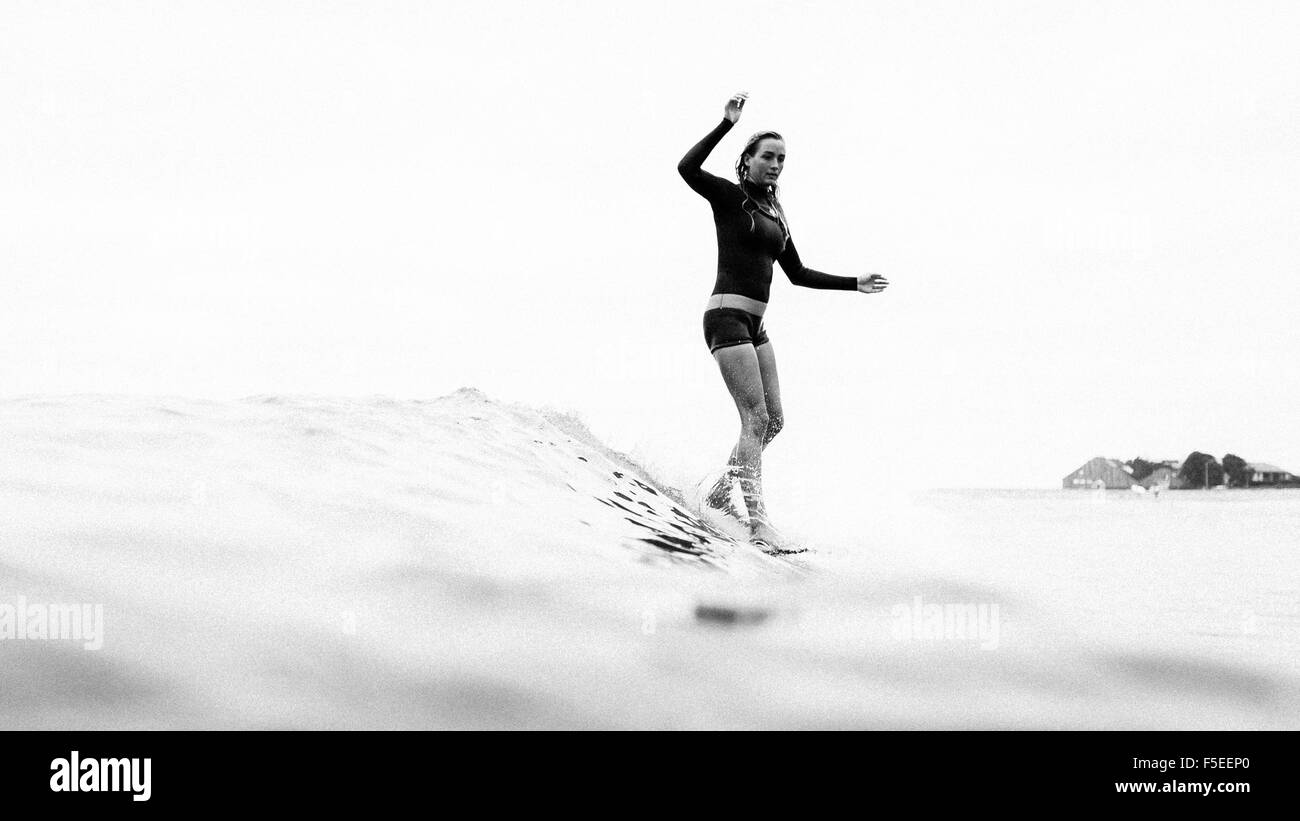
[
  {"x": 761, "y": 531},
  {"x": 767, "y": 539}
]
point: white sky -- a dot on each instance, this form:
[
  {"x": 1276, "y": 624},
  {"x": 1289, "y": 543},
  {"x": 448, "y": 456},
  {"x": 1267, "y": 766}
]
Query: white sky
[{"x": 1088, "y": 213}]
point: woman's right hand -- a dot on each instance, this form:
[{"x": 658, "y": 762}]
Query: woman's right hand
[{"x": 734, "y": 105}]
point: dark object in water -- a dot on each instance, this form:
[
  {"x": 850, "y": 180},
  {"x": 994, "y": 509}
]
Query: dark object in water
[{"x": 724, "y": 614}]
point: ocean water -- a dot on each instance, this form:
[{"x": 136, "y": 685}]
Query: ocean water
[{"x": 309, "y": 562}]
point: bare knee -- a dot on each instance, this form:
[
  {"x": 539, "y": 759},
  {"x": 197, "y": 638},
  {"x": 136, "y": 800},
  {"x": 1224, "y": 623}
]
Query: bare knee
[{"x": 775, "y": 422}]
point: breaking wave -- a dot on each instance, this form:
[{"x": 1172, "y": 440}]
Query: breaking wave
[{"x": 312, "y": 562}]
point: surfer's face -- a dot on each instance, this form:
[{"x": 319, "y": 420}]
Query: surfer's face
[{"x": 768, "y": 160}]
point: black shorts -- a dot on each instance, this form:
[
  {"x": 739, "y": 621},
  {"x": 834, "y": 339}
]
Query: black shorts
[{"x": 724, "y": 327}]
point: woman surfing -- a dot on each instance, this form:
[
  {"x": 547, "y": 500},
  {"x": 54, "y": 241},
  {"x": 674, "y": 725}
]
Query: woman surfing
[{"x": 752, "y": 234}]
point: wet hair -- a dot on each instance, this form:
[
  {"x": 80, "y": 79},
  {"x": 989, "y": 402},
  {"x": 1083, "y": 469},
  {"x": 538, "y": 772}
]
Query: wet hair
[{"x": 742, "y": 177}]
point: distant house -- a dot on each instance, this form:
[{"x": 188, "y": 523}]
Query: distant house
[
  {"x": 1163, "y": 476},
  {"x": 1101, "y": 472},
  {"x": 1262, "y": 473}
]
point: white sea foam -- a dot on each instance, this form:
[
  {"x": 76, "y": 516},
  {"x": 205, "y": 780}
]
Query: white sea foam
[{"x": 317, "y": 562}]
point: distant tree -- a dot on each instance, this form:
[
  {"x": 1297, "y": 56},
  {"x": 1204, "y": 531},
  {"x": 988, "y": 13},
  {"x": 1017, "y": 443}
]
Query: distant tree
[
  {"x": 1198, "y": 468},
  {"x": 1237, "y": 470},
  {"x": 1142, "y": 468}
]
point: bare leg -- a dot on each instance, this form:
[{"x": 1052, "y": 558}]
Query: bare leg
[
  {"x": 743, "y": 374},
  {"x": 718, "y": 495}
]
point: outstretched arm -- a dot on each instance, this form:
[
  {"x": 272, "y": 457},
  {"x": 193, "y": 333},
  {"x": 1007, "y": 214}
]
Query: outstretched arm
[
  {"x": 701, "y": 181},
  {"x": 800, "y": 274}
]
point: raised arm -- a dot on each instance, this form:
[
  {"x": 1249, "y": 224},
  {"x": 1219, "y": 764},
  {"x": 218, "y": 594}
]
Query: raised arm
[
  {"x": 807, "y": 277},
  {"x": 701, "y": 181}
]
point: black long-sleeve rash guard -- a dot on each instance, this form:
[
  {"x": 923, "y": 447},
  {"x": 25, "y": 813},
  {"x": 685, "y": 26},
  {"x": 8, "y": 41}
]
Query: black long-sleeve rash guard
[{"x": 746, "y": 249}]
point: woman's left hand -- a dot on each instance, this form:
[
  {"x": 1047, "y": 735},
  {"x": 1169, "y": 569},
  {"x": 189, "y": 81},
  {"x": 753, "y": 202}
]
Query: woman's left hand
[{"x": 872, "y": 283}]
